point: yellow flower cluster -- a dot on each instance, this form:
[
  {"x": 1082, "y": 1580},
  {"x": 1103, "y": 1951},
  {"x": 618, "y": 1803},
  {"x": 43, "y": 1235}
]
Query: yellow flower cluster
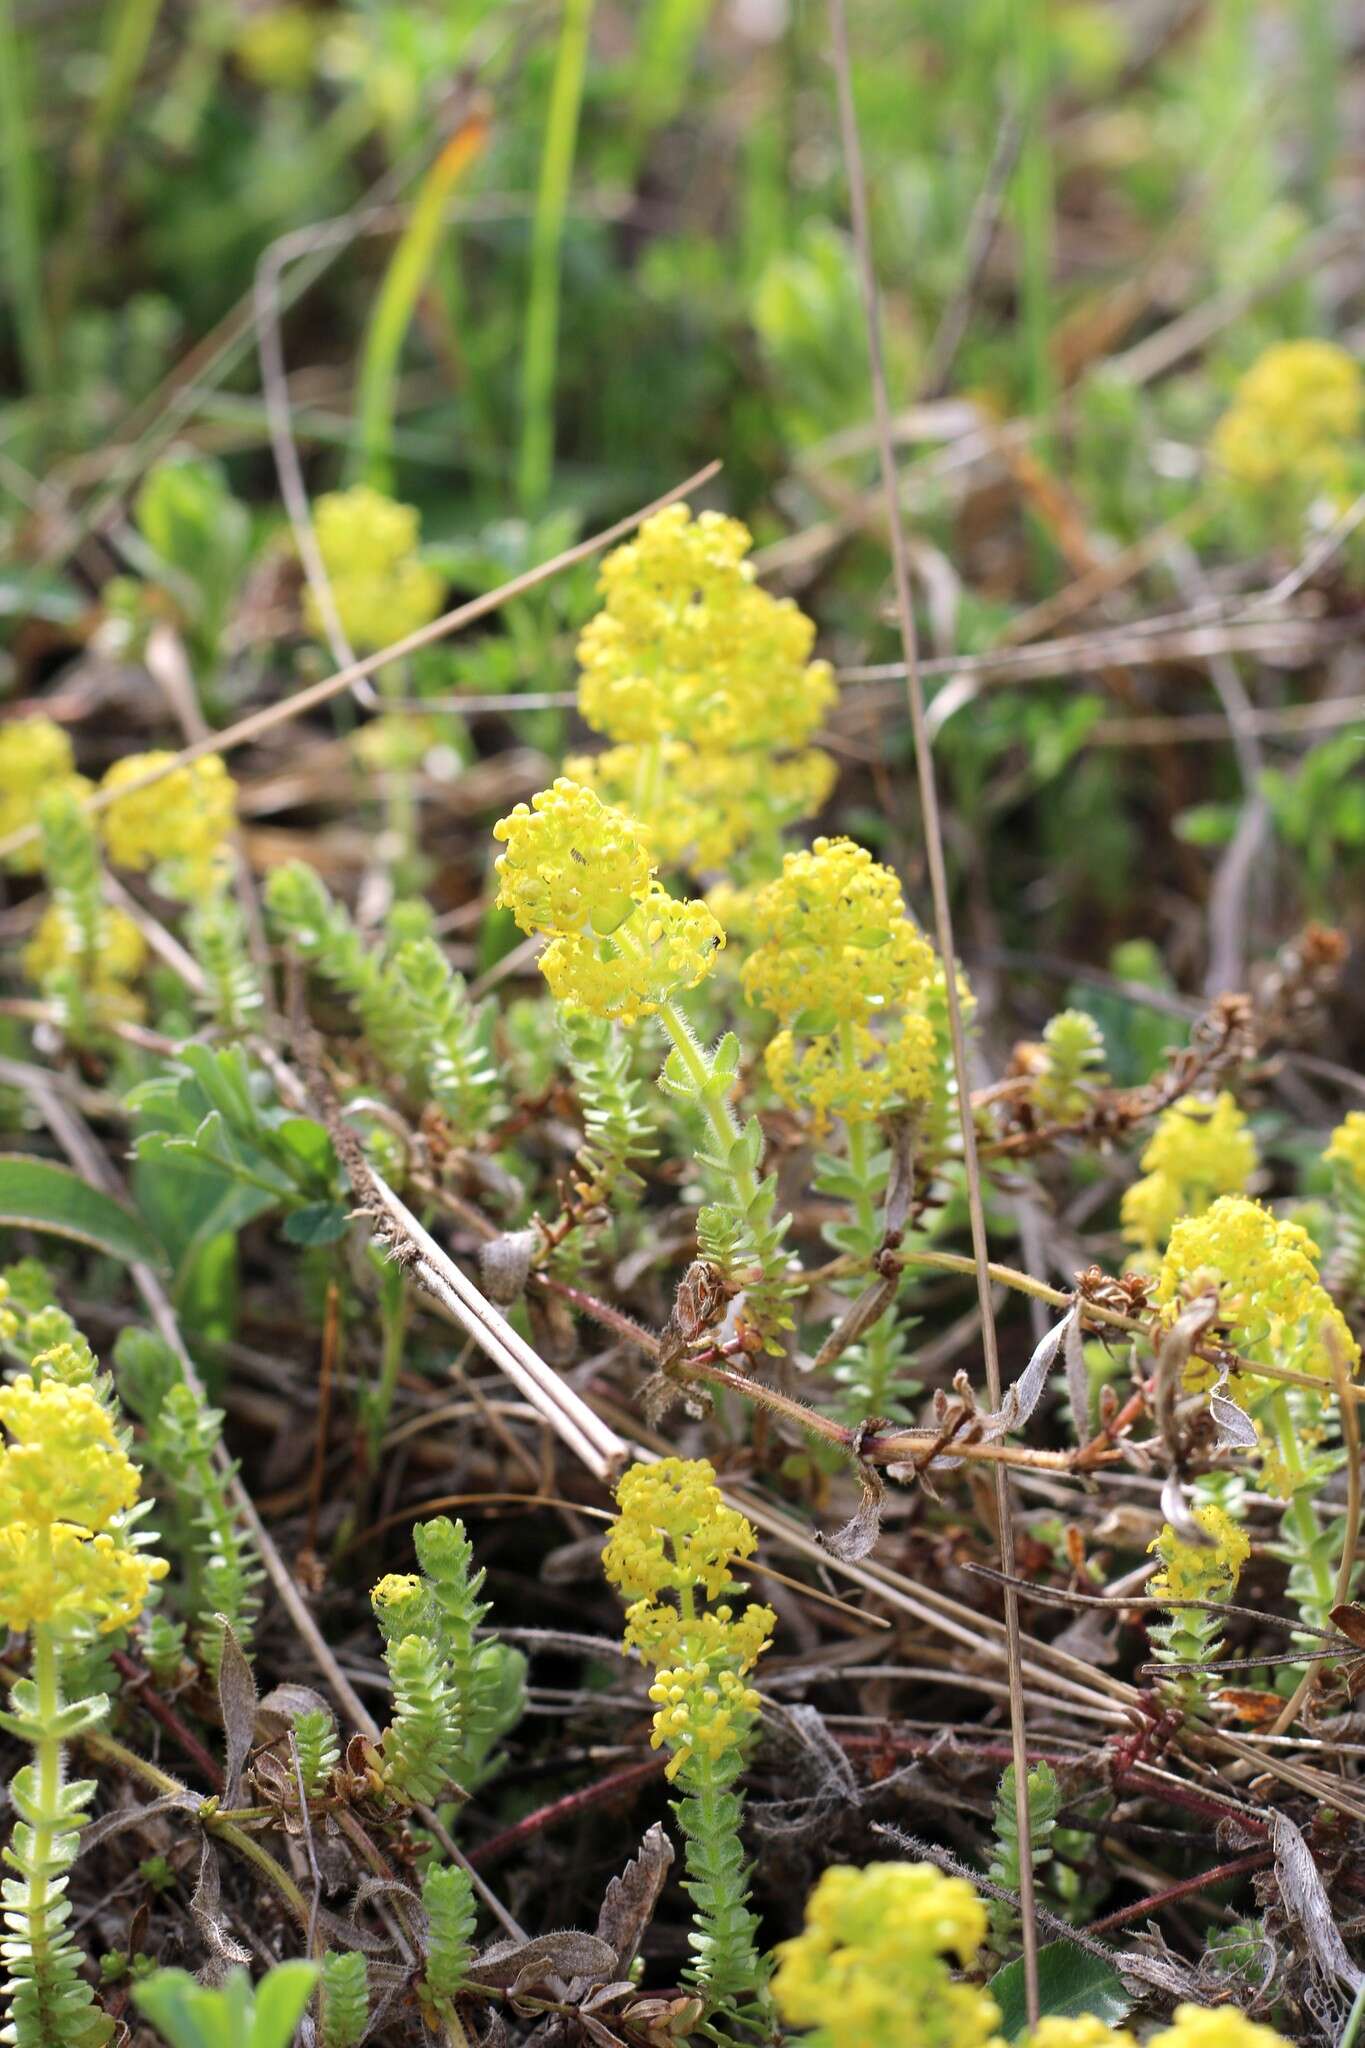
[
  {"x": 839, "y": 952},
  {"x": 579, "y": 872},
  {"x": 673, "y": 1541},
  {"x": 381, "y": 587},
  {"x": 673, "y": 1532},
  {"x": 120, "y": 953},
  {"x": 1290, "y": 416},
  {"x": 706, "y": 804},
  {"x": 687, "y": 646},
  {"x": 871, "y": 1968},
  {"x": 1198, "y": 1151},
  {"x": 572, "y": 864},
  {"x": 1346, "y": 1147},
  {"x": 854, "y": 1074},
  {"x": 661, "y": 1634},
  {"x": 1200, "y": 1571},
  {"x": 1270, "y": 1295},
  {"x": 36, "y": 758},
  {"x": 65, "y": 1486},
  {"x": 180, "y": 824},
  {"x": 706, "y": 684}
]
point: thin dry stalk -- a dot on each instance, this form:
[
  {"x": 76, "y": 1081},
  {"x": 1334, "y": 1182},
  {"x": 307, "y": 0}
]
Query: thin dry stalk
[{"x": 943, "y": 918}]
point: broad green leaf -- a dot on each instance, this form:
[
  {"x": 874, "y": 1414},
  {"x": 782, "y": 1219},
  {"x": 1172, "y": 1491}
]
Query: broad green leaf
[
  {"x": 36, "y": 1194},
  {"x": 281, "y": 1997},
  {"x": 1070, "y": 1982},
  {"x": 316, "y": 1223}
]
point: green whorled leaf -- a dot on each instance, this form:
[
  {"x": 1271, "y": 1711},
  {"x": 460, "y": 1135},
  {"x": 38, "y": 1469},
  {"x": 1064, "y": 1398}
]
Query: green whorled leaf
[
  {"x": 37, "y": 1194},
  {"x": 1070, "y": 1982},
  {"x": 316, "y": 1223}
]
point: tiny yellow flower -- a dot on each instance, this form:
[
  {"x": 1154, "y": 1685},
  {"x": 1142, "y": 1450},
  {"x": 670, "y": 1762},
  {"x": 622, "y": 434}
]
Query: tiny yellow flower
[
  {"x": 663, "y": 949},
  {"x": 1270, "y": 1295},
  {"x": 1290, "y": 416},
  {"x": 1198, "y": 1151},
  {"x": 401, "y": 1604},
  {"x": 79, "y": 1582},
  {"x": 1200, "y": 1571},
  {"x": 381, "y": 588},
  {"x": 1196, "y": 2026},
  {"x": 687, "y": 646},
  {"x": 181, "y": 823},
  {"x": 662, "y": 1635},
  {"x": 36, "y": 759},
  {"x": 1346, "y": 1147}
]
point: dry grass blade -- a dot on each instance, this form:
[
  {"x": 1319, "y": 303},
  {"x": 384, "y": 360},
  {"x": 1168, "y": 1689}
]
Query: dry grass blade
[{"x": 943, "y": 917}]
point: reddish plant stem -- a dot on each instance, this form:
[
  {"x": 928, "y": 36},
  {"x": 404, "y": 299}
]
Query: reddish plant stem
[
  {"x": 1255, "y": 1859},
  {"x": 161, "y": 1710},
  {"x": 610, "y": 1787}
]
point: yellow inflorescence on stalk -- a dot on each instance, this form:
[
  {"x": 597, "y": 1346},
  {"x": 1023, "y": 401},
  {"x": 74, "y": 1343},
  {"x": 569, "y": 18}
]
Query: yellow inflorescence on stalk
[
  {"x": 840, "y": 954},
  {"x": 381, "y": 587},
  {"x": 1198, "y": 1151},
  {"x": 580, "y": 873},
  {"x": 36, "y": 758},
  {"x": 65, "y": 1487},
  {"x": 671, "y": 1547},
  {"x": 1291, "y": 416},
  {"x": 1200, "y": 1571},
  {"x": 183, "y": 822},
  {"x": 705, "y": 683},
  {"x": 1270, "y": 1294},
  {"x": 687, "y": 646}
]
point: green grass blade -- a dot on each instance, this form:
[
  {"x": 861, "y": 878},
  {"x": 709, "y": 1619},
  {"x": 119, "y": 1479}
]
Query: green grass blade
[
  {"x": 404, "y": 281},
  {"x": 540, "y": 344}
]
